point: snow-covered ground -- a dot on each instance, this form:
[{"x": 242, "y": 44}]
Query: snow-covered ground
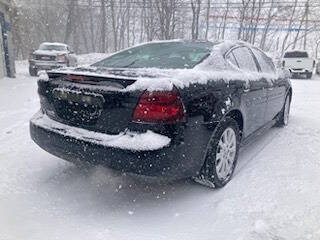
[{"x": 274, "y": 194}]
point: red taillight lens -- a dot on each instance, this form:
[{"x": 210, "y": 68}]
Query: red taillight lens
[
  {"x": 283, "y": 63},
  {"x": 159, "y": 107}
]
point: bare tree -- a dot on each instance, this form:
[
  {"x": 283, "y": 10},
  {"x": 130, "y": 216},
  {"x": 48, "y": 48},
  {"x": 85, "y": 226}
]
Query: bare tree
[
  {"x": 103, "y": 26},
  {"x": 195, "y": 6},
  {"x": 290, "y": 23},
  {"x": 207, "y": 18},
  {"x": 110, "y": 25},
  {"x": 307, "y": 25},
  {"x": 166, "y": 14},
  {"x": 225, "y": 19},
  {"x": 270, "y": 17},
  {"x": 243, "y": 10},
  {"x": 70, "y": 19}
]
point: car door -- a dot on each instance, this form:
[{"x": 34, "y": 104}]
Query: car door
[
  {"x": 254, "y": 95},
  {"x": 276, "y": 85}
]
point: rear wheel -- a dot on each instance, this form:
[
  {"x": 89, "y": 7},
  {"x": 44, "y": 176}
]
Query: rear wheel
[
  {"x": 283, "y": 118},
  {"x": 221, "y": 156}
]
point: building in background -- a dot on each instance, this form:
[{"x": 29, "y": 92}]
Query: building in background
[{"x": 7, "y": 66}]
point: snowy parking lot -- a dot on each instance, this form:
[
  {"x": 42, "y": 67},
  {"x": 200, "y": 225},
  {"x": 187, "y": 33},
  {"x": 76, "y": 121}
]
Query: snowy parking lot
[{"x": 274, "y": 194}]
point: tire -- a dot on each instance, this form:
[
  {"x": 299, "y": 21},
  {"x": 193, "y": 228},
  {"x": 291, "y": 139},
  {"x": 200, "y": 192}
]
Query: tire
[
  {"x": 210, "y": 175},
  {"x": 283, "y": 118},
  {"x": 309, "y": 75},
  {"x": 33, "y": 71}
]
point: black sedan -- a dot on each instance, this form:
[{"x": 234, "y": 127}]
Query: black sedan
[{"x": 173, "y": 109}]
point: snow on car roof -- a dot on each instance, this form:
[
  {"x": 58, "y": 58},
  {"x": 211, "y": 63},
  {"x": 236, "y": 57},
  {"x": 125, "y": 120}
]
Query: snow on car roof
[
  {"x": 213, "y": 68},
  {"x": 54, "y": 43}
]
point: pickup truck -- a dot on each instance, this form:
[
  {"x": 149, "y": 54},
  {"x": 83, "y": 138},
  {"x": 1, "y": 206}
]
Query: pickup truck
[
  {"x": 51, "y": 56},
  {"x": 299, "y": 63}
]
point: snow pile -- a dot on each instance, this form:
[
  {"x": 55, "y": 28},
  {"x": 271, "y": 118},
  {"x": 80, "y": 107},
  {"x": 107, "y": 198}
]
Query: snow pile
[
  {"x": 49, "y": 52},
  {"x": 181, "y": 78},
  {"x": 158, "y": 79},
  {"x": 148, "y": 141},
  {"x": 153, "y": 79},
  {"x": 43, "y": 76}
]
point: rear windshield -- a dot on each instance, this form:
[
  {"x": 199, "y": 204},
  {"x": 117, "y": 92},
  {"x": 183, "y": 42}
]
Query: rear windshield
[
  {"x": 296, "y": 54},
  {"x": 170, "y": 55},
  {"x": 52, "y": 47}
]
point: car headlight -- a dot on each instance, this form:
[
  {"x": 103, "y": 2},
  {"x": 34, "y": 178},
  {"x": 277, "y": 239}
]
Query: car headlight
[{"x": 61, "y": 58}]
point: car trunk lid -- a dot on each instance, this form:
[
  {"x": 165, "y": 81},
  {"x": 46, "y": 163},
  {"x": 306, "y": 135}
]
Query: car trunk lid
[{"x": 94, "y": 103}]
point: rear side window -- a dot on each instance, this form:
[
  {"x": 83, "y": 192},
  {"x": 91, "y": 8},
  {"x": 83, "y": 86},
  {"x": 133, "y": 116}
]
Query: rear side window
[
  {"x": 232, "y": 59},
  {"x": 265, "y": 62},
  {"x": 296, "y": 54},
  {"x": 245, "y": 59}
]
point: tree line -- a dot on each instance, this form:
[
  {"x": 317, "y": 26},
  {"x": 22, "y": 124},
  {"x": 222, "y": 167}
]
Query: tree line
[{"x": 111, "y": 25}]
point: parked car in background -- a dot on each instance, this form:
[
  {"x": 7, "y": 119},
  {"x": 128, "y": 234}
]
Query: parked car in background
[
  {"x": 299, "y": 63},
  {"x": 50, "y": 56},
  {"x": 173, "y": 109}
]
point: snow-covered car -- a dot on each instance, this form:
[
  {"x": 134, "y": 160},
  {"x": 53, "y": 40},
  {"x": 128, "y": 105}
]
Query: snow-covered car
[
  {"x": 173, "y": 109},
  {"x": 50, "y": 56},
  {"x": 298, "y": 63}
]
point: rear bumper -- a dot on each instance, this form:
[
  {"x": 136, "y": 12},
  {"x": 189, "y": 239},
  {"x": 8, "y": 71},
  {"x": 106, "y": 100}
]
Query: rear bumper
[
  {"x": 174, "y": 161},
  {"x": 299, "y": 71}
]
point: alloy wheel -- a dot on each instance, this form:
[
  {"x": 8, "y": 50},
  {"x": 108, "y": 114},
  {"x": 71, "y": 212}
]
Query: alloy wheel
[{"x": 226, "y": 154}]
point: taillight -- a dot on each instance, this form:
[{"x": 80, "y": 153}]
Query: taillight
[
  {"x": 283, "y": 63},
  {"x": 159, "y": 107},
  {"x": 75, "y": 78}
]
